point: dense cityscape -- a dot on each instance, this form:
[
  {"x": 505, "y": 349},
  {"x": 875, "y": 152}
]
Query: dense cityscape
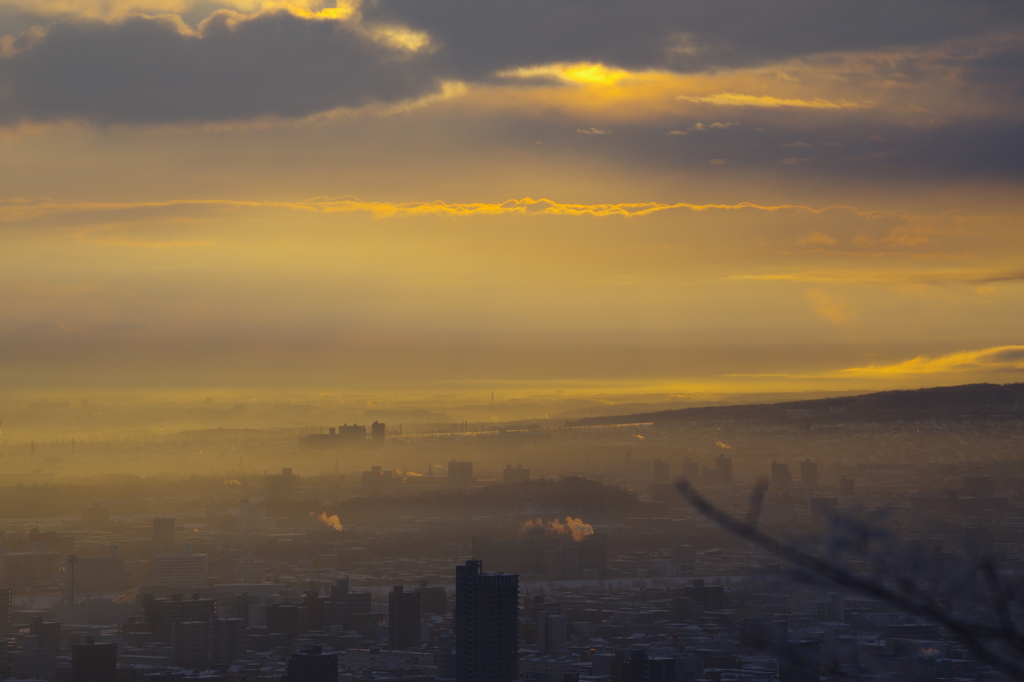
[{"x": 542, "y": 554}]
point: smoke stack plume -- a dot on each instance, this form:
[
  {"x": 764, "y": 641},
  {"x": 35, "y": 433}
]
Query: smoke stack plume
[
  {"x": 329, "y": 521},
  {"x": 573, "y": 527}
]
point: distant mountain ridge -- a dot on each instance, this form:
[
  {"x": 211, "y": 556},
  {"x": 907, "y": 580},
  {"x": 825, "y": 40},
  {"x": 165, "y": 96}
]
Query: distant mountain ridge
[{"x": 940, "y": 402}]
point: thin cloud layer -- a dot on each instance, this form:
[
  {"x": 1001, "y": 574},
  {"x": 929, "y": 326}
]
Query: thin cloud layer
[
  {"x": 21, "y": 210},
  {"x": 887, "y": 278},
  {"x": 999, "y": 359}
]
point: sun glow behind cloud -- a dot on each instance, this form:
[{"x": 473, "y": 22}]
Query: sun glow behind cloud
[
  {"x": 587, "y": 73},
  {"x": 19, "y": 210},
  {"x": 118, "y": 9},
  {"x": 734, "y": 99}
]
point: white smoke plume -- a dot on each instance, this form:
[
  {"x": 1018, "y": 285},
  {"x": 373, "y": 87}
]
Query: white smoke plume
[
  {"x": 574, "y": 527},
  {"x": 329, "y": 521}
]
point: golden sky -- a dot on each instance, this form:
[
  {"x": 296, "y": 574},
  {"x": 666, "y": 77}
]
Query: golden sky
[{"x": 593, "y": 195}]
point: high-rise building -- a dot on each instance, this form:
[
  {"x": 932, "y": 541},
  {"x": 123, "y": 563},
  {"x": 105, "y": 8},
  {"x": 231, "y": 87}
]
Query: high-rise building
[
  {"x": 403, "y": 618},
  {"x": 782, "y": 480},
  {"x": 190, "y": 644},
  {"x": 808, "y": 474},
  {"x": 460, "y": 473},
  {"x": 279, "y": 487},
  {"x": 433, "y": 599},
  {"x": 288, "y": 619},
  {"x": 550, "y": 633},
  {"x": 314, "y": 604},
  {"x": 845, "y": 485},
  {"x": 163, "y": 534},
  {"x": 723, "y": 469},
  {"x": 822, "y": 607},
  {"x": 562, "y": 562},
  {"x": 252, "y": 518},
  {"x": 486, "y": 624},
  {"x": 312, "y": 665},
  {"x": 445, "y": 658},
  {"x": 185, "y": 571},
  {"x": 227, "y": 640},
  {"x": 339, "y": 590},
  {"x": 593, "y": 555},
  {"x": 240, "y": 605},
  {"x": 376, "y": 479},
  {"x": 94, "y": 662},
  {"x": 5, "y": 607},
  {"x": 517, "y": 475},
  {"x": 48, "y": 633},
  {"x": 705, "y": 597},
  {"x": 345, "y": 609},
  {"x": 25, "y": 569},
  {"x": 163, "y": 613},
  {"x": 378, "y": 433},
  {"x": 337, "y": 438},
  {"x": 99, "y": 574},
  {"x": 660, "y": 471}
]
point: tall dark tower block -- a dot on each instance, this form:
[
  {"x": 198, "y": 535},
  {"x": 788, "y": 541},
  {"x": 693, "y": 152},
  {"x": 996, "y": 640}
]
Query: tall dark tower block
[
  {"x": 163, "y": 535},
  {"x": 723, "y": 469},
  {"x": 403, "y": 618},
  {"x": 312, "y": 665},
  {"x": 5, "y": 608},
  {"x": 486, "y": 625},
  {"x": 377, "y": 433},
  {"x": 94, "y": 662}
]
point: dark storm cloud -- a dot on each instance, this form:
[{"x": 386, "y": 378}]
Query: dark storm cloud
[
  {"x": 482, "y": 37},
  {"x": 146, "y": 70}
]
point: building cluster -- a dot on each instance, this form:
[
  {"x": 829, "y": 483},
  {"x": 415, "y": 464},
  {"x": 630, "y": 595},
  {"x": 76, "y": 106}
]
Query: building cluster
[
  {"x": 726, "y": 628},
  {"x": 345, "y": 436},
  {"x": 479, "y": 572}
]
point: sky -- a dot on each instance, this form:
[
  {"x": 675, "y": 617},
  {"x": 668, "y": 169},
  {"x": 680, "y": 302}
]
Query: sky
[{"x": 560, "y": 195}]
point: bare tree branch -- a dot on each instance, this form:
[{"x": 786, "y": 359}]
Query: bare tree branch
[
  {"x": 757, "y": 496},
  {"x": 981, "y": 640}
]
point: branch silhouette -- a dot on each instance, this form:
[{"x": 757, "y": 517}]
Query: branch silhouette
[{"x": 1001, "y": 647}]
